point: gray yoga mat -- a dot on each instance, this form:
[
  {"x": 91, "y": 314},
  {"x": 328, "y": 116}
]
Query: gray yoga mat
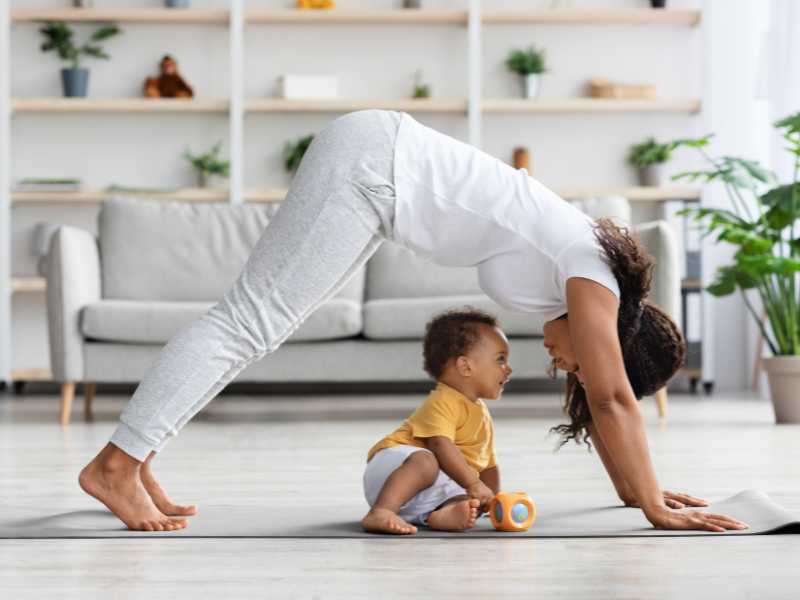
[{"x": 556, "y": 517}]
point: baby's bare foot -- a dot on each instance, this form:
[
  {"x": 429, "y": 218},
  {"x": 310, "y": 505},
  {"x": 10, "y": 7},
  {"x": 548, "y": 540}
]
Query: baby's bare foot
[
  {"x": 382, "y": 520},
  {"x": 159, "y": 496},
  {"x": 455, "y": 516},
  {"x": 117, "y": 485}
]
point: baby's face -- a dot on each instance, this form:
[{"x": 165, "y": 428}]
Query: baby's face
[{"x": 490, "y": 362}]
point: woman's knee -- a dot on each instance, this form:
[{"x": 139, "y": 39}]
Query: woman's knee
[{"x": 424, "y": 463}]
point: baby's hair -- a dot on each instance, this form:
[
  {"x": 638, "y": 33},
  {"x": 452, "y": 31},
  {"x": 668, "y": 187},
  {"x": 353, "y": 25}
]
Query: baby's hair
[{"x": 452, "y": 334}]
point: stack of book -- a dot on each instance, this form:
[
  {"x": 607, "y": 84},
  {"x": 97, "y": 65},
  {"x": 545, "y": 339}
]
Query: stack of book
[{"x": 44, "y": 184}]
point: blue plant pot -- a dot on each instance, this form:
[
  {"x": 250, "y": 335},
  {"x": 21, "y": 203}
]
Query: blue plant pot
[
  {"x": 176, "y": 3},
  {"x": 75, "y": 82}
]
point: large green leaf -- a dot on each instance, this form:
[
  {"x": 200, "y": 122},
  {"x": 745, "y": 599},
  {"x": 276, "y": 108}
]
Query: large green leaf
[
  {"x": 791, "y": 123},
  {"x": 750, "y": 242}
]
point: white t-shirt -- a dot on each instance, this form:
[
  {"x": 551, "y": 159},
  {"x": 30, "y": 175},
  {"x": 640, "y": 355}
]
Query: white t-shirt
[{"x": 458, "y": 206}]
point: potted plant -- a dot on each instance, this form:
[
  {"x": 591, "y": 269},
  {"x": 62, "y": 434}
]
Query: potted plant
[
  {"x": 293, "y": 152},
  {"x": 529, "y": 65},
  {"x": 58, "y": 36},
  {"x": 208, "y": 165},
  {"x": 421, "y": 90},
  {"x": 767, "y": 258},
  {"x": 649, "y": 158}
]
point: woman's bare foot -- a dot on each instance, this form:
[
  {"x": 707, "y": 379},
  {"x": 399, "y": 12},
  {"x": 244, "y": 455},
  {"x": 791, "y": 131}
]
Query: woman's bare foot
[
  {"x": 456, "y": 515},
  {"x": 382, "y": 520},
  {"x": 113, "y": 478},
  {"x": 159, "y": 496}
]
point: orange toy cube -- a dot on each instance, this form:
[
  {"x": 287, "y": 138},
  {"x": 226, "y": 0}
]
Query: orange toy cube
[{"x": 512, "y": 511}]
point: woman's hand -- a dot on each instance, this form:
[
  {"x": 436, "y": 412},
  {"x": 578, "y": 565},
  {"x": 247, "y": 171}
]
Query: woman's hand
[
  {"x": 671, "y": 499},
  {"x": 664, "y": 518}
]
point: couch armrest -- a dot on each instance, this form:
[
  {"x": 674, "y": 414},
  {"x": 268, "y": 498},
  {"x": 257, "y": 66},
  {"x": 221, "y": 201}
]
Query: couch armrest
[
  {"x": 73, "y": 281},
  {"x": 660, "y": 241}
]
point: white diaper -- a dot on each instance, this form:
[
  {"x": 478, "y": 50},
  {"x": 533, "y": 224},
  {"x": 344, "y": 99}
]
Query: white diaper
[{"x": 417, "y": 509}]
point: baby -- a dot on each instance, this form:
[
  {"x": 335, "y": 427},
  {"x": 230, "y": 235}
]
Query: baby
[{"x": 439, "y": 468}]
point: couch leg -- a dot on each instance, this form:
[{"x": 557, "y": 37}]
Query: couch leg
[
  {"x": 661, "y": 402},
  {"x": 88, "y": 398},
  {"x": 67, "y": 395}
]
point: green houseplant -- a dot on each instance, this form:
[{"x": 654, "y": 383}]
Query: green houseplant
[
  {"x": 529, "y": 64},
  {"x": 762, "y": 224},
  {"x": 648, "y": 158},
  {"x": 293, "y": 152},
  {"x": 59, "y": 37},
  {"x": 208, "y": 164}
]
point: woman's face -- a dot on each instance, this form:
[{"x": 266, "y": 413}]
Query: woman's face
[{"x": 559, "y": 346}]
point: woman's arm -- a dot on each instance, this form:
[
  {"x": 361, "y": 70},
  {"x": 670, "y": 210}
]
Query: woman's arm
[
  {"x": 623, "y": 489},
  {"x": 615, "y": 413},
  {"x": 491, "y": 477}
]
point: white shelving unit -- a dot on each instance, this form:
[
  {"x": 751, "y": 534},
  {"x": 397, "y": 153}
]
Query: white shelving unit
[{"x": 236, "y": 19}]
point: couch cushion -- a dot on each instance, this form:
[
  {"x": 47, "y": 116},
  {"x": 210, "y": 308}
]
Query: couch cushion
[
  {"x": 156, "y": 322},
  {"x": 180, "y": 251},
  {"x": 396, "y": 272},
  {"x": 405, "y": 318}
]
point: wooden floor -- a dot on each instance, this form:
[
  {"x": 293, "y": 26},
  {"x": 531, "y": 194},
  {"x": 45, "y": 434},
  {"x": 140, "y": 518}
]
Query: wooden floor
[{"x": 255, "y": 451}]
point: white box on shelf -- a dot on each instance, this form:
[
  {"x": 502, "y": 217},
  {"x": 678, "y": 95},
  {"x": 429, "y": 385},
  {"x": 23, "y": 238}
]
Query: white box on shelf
[{"x": 308, "y": 87}]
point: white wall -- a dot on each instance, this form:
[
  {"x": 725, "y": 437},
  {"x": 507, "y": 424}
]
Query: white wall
[{"x": 378, "y": 62}]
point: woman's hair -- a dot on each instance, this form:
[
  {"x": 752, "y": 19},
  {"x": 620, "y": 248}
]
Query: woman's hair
[
  {"x": 653, "y": 347},
  {"x": 452, "y": 334}
]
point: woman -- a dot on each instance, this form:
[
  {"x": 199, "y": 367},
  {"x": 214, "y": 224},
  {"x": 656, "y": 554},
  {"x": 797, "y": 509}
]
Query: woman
[{"x": 376, "y": 175}]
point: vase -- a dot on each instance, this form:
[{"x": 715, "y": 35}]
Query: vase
[
  {"x": 531, "y": 85},
  {"x": 658, "y": 3},
  {"x": 651, "y": 175},
  {"x": 412, "y": 3},
  {"x": 75, "y": 82},
  {"x": 82, "y": 3},
  {"x": 783, "y": 374},
  {"x": 176, "y": 3}
]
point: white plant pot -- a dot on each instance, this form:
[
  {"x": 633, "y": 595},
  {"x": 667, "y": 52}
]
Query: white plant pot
[
  {"x": 783, "y": 373},
  {"x": 531, "y": 85}
]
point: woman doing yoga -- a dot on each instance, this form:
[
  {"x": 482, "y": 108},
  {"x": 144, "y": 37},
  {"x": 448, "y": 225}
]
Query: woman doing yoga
[{"x": 375, "y": 175}]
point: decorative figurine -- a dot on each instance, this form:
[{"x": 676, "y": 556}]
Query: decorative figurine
[
  {"x": 522, "y": 159},
  {"x": 315, "y": 4},
  {"x": 169, "y": 84}
]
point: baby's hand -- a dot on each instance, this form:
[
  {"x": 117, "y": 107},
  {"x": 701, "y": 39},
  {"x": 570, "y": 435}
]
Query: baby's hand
[{"x": 482, "y": 492}]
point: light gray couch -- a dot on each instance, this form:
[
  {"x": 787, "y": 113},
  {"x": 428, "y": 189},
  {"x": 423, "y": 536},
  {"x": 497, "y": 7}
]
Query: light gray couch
[{"x": 115, "y": 300}]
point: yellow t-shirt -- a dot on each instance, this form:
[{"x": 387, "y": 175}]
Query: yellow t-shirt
[{"x": 449, "y": 413}]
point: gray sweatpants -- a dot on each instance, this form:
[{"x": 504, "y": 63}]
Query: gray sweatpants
[{"x": 339, "y": 209}]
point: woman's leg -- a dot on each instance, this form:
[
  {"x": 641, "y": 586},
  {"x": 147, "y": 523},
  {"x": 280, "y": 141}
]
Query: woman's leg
[{"x": 337, "y": 213}]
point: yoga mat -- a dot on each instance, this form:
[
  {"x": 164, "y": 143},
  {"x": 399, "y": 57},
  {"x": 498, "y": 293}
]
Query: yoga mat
[{"x": 557, "y": 517}]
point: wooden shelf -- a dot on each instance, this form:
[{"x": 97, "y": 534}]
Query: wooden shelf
[
  {"x": 128, "y": 15},
  {"x": 96, "y": 196},
  {"x": 170, "y": 105},
  {"x": 587, "y": 105},
  {"x": 633, "y": 193},
  {"x": 28, "y": 284},
  {"x": 31, "y": 375},
  {"x": 408, "y": 105},
  {"x": 692, "y": 285},
  {"x": 621, "y": 16},
  {"x": 356, "y": 17}
]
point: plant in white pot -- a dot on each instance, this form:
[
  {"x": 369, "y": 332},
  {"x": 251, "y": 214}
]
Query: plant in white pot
[
  {"x": 208, "y": 165},
  {"x": 58, "y": 36},
  {"x": 649, "y": 158},
  {"x": 529, "y": 65},
  {"x": 767, "y": 259}
]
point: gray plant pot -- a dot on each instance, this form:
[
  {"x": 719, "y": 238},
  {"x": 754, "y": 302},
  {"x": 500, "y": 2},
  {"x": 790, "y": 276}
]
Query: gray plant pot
[
  {"x": 412, "y": 3},
  {"x": 75, "y": 82},
  {"x": 783, "y": 373},
  {"x": 651, "y": 175},
  {"x": 82, "y": 3},
  {"x": 177, "y": 3}
]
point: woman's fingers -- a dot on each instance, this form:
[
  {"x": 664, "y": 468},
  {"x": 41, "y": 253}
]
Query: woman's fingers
[
  {"x": 721, "y": 521},
  {"x": 674, "y": 503},
  {"x": 685, "y": 499}
]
